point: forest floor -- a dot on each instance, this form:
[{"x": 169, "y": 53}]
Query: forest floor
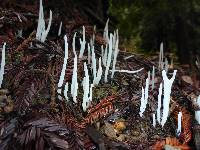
[{"x": 32, "y": 116}]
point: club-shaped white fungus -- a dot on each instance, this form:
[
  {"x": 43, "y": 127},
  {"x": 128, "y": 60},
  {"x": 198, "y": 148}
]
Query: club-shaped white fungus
[
  {"x": 153, "y": 78},
  {"x": 92, "y": 40},
  {"x": 82, "y": 43},
  {"x": 45, "y": 33},
  {"x": 105, "y": 33},
  {"x": 114, "y": 39},
  {"x": 3, "y": 61},
  {"x": 60, "y": 29},
  {"x": 66, "y": 91},
  {"x": 94, "y": 65},
  {"x": 41, "y": 23},
  {"x": 104, "y": 54},
  {"x": 146, "y": 90},
  {"x": 90, "y": 97},
  {"x": 86, "y": 89},
  {"x": 197, "y": 113},
  {"x": 116, "y": 51},
  {"x": 160, "y": 63},
  {"x": 99, "y": 73},
  {"x": 167, "y": 91},
  {"x": 142, "y": 103},
  {"x": 108, "y": 62},
  {"x": 159, "y": 103},
  {"x": 166, "y": 65},
  {"x": 42, "y": 33},
  {"x": 74, "y": 84},
  {"x": 89, "y": 53},
  {"x": 145, "y": 96},
  {"x": 179, "y": 123},
  {"x": 62, "y": 75},
  {"x": 74, "y": 44},
  {"x": 154, "y": 120}
]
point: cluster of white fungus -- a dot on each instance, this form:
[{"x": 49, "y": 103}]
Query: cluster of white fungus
[
  {"x": 109, "y": 57},
  {"x": 42, "y": 32},
  {"x": 161, "y": 117}
]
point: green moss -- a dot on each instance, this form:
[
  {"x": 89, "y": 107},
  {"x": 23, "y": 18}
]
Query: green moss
[{"x": 101, "y": 92}]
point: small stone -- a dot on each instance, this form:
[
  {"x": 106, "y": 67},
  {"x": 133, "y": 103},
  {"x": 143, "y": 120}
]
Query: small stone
[{"x": 120, "y": 126}]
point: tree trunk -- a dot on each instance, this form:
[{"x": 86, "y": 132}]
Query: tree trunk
[{"x": 182, "y": 41}]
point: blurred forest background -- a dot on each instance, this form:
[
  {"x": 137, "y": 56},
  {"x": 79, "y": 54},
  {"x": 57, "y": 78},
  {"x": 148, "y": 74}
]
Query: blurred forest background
[
  {"x": 142, "y": 24},
  {"x": 148, "y": 23}
]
